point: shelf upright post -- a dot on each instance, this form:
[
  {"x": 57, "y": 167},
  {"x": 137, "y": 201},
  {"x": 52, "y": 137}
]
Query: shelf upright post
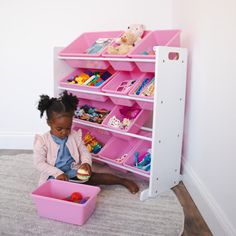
[{"x": 168, "y": 120}]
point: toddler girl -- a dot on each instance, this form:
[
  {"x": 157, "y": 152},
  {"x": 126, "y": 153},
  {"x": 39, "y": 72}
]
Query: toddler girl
[{"x": 60, "y": 152}]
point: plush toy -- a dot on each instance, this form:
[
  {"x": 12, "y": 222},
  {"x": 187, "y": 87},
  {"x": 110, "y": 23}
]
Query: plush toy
[{"x": 127, "y": 40}]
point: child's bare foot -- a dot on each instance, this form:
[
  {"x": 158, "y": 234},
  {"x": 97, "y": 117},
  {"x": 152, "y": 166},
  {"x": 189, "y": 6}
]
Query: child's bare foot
[{"x": 130, "y": 185}]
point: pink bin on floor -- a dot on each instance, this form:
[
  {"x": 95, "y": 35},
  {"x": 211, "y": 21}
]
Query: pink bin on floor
[
  {"x": 47, "y": 199},
  {"x": 64, "y": 83},
  {"x": 156, "y": 38},
  {"x": 80, "y": 48},
  {"x": 120, "y": 84},
  {"x": 146, "y": 105},
  {"x": 135, "y": 124},
  {"x": 123, "y": 65},
  {"x": 117, "y": 150}
]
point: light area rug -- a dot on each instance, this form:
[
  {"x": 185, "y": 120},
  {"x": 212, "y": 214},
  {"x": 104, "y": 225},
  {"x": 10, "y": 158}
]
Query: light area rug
[{"x": 117, "y": 212}]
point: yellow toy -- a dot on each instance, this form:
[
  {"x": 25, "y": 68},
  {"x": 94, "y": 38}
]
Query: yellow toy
[{"x": 92, "y": 143}]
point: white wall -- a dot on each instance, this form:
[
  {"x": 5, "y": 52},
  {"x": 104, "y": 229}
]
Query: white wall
[
  {"x": 209, "y": 32},
  {"x": 29, "y": 31}
]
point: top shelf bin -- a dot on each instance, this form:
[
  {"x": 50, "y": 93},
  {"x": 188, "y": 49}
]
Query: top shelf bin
[
  {"x": 144, "y": 50},
  {"x": 124, "y": 65},
  {"x": 89, "y": 44}
]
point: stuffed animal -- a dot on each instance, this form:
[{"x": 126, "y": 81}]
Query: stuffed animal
[{"x": 127, "y": 40}]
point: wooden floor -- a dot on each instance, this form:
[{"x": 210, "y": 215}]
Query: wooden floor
[{"x": 194, "y": 223}]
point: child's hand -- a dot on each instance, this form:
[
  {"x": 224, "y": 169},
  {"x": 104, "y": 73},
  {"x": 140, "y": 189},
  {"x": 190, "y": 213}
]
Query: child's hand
[
  {"x": 87, "y": 167},
  {"x": 63, "y": 177}
]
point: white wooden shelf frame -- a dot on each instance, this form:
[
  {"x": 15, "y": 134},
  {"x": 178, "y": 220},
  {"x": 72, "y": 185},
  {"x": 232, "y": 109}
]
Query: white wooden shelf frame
[{"x": 168, "y": 114}]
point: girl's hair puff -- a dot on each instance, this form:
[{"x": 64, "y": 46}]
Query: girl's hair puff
[{"x": 65, "y": 103}]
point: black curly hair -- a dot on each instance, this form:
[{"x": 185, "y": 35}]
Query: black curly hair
[{"x": 65, "y": 103}]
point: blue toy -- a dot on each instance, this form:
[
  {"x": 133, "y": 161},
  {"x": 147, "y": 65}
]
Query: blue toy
[{"x": 145, "y": 162}]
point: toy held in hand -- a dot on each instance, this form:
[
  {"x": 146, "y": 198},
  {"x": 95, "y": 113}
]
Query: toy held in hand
[
  {"x": 83, "y": 174},
  {"x": 127, "y": 40}
]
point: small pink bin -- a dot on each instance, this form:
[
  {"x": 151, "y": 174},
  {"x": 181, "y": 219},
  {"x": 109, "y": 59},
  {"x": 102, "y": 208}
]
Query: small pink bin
[
  {"x": 78, "y": 73},
  {"x": 156, "y": 38},
  {"x": 141, "y": 148},
  {"x": 102, "y": 136},
  {"x": 120, "y": 84},
  {"x": 123, "y": 65},
  {"x": 89, "y": 44},
  {"x": 146, "y": 78},
  {"x": 117, "y": 150},
  {"x": 48, "y": 200},
  {"x": 135, "y": 124}
]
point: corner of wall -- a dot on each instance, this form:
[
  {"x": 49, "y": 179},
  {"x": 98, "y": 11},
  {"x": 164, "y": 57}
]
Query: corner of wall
[{"x": 207, "y": 205}]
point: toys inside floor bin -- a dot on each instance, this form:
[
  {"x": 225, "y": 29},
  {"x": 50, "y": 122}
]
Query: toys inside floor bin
[
  {"x": 140, "y": 158},
  {"x": 126, "y": 119},
  {"x": 50, "y": 202},
  {"x": 88, "y": 80},
  {"x": 117, "y": 150},
  {"x": 144, "y": 88},
  {"x": 89, "y": 44},
  {"x": 120, "y": 84},
  {"x": 144, "y": 50}
]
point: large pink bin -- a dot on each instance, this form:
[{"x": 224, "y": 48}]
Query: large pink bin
[
  {"x": 156, "y": 38},
  {"x": 108, "y": 105},
  {"x": 113, "y": 151},
  {"x": 64, "y": 83},
  {"x": 79, "y": 48},
  {"x": 135, "y": 124},
  {"x": 123, "y": 65},
  {"x": 47, "y": 199},
  {"x": 120, "y": 84}
]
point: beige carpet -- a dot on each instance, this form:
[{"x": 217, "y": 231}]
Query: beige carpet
[{"x": 117, "y": 212}]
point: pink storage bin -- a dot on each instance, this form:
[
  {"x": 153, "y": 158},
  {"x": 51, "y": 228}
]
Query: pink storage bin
[
  {"x": 123, "y": 65},
  {"x": 80, "y": 48},
  {"x": 135, "y": 124},
  {"x": 102, "y": 136},
  {"x": 47, "y": 199},
  {"x": 121, "y": 83},
  {"x": 64, "y": 83},
  {"x": 108, "y": 105},
  {"x": 113, "y": 151},
  {"x": 141, "y": 147},
  {"x": 143, "y": 104},
  {"x": 155, "y": 38}
]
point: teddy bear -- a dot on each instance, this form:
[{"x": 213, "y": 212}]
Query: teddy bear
[{"x": 127, "y": 40}]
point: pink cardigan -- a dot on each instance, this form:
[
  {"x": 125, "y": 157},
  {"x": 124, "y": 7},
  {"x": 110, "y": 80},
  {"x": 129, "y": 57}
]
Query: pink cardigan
[{"x": 45, "y": 153}]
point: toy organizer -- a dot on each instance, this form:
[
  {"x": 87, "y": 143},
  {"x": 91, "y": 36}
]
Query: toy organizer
[
  {"x": 122, "y": 124},
  {"x": 49, "y": 199}
]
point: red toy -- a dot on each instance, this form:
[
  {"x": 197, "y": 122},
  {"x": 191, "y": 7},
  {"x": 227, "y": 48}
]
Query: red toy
[{"x": 76, "y": 197}]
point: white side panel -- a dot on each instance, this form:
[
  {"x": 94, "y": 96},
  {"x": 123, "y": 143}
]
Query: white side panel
[{"x": 168, "y": 119}]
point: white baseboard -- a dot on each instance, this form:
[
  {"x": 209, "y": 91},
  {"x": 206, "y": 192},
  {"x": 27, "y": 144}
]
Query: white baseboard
[
  {"x": 16, "y": 141},
  {"x": 212, "y": 213}
]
